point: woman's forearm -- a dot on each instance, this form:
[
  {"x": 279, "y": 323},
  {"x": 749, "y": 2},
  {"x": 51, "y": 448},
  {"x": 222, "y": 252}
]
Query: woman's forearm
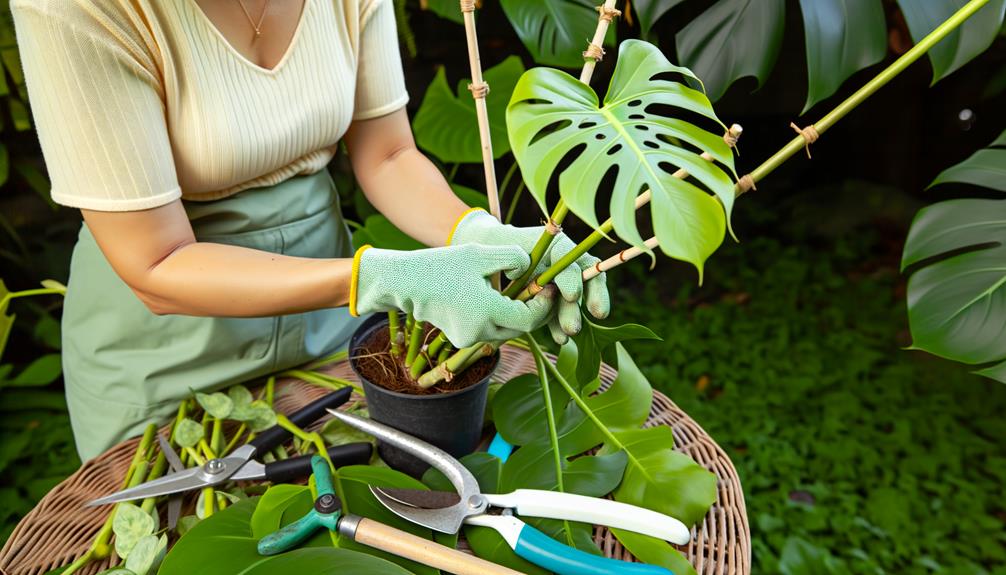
[
  {"x": 410, "y": 190},
  {"x": 207, "y": 279},
  {"x": 156, "y": 253}
]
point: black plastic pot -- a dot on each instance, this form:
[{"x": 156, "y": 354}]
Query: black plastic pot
[{"x": 451, "y": 421}]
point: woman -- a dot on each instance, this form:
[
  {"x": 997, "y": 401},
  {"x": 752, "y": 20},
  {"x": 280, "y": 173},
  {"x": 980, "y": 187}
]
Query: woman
[{"x": 193, "y": 135}]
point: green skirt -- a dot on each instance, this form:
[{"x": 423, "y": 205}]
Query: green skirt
[{"x": 125, "y": 367}]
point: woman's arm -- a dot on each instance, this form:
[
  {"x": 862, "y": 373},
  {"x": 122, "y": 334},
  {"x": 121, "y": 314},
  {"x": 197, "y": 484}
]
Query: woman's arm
[
  {"x": 400, "y": 181},
  {"x": 156, "y": 253}
]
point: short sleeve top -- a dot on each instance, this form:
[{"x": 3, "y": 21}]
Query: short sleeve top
[{"x": 140, "y": 102}]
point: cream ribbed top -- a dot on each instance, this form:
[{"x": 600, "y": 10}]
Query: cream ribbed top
[{"x": 140, "y": 102}]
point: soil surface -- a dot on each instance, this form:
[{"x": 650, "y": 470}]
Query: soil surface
[{"x": 375, "y": 362}]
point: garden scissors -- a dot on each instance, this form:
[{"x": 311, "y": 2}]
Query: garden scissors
[
  {"x": 240, "y": 465},
  {"x": 446, "y": 512},
  {"x": 327, "y": 513}
]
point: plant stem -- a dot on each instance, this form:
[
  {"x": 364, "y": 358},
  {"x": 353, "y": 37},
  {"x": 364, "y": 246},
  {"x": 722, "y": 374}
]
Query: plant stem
[
  {"x": 393, "y": 332},
  {"x": 513, "y": 202},
  {"x": 216, "y": 440},
  {"x": 270, "y": 390},
  {"x": 415, "y": 341},
  {"x": 337, "y": 356},
  {"x": 456, "y": 363},
  {"x": 234, "y": 440},
  {"x": 444, "y": 354},
  {"x": 798, "y": 143},
  {"x": 319, "y": 445},
  {"x": 322, "y": 379},
  {"x": 506, "y": 179}
]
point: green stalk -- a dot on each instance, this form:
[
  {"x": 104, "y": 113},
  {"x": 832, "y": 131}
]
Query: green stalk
[
  {"x": 415, "y": 339},
  {"x": 100, "y": 548},
  {"x": 513, "y": 203},
  {"x": 234, "y": 440},
  {"x": 270, "y": 390},
  {"x": 538, "y": 252},
  {"x": 506, "y": 180},
  {"x": 337, "y": 356},
  {"x": 319, "y": 445},
  {"x": 393, "y": 332},
  {"x": 444, "y": 354},
  {"x": 456, "y": 363},
  {"x": 216, "y": 439},
  {"x": 322, "y": 379},
  {"x": 889, "y": 73},
  {"x": 419, "y": 365},
  {"x": 156, "y": 471}
]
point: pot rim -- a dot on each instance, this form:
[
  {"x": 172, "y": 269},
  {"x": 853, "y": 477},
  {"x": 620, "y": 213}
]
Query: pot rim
[{"x": 364, "y": 327}]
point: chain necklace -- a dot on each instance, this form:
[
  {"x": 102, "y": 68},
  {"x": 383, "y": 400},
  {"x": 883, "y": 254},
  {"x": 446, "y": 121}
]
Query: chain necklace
[{"x": 257, "y": 27}]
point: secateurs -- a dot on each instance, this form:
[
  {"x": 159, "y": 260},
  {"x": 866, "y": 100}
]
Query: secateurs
[
  {"x": 446, "y": 512},
  {"x": 240, "y": 465},
  {"x": 327, "y": 513}
]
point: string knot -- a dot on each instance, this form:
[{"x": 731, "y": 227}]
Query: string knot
[
  {"x": 608, "y": 14},
  {"x": 552, "y": 228},
  {"x": 467, "y": 5},
  {"x": 746, "y": 184},
  {"x": 479, "y": 91},
  {"x": 594, "y": 52},
  {"x": 809, "y": 135}
]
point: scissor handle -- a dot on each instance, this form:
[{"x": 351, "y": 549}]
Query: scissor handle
[
  {"x": 275, "y": 436},
  {"x": 297, "y": 532}
]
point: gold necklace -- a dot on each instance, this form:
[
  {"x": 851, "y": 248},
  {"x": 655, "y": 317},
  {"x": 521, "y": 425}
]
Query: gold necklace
[{"x": 257, "y": 27}]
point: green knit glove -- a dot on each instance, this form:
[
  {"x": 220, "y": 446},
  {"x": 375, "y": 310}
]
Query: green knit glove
[
  {"x": 450, "y": 288},
  {"x": 479, "y": 227}
]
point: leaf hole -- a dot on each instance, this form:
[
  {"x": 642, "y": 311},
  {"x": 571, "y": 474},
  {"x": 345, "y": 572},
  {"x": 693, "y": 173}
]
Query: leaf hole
[
  {"x": 614, "y": 149},
  {"x": 651, "y": 144},
  {"x": 637, "y": 117},
  {"x": 643, "y": 128},
  {"x": 585, "y": 125},
  {"x": 600, "y": 136},
  {"x": 550, "y": 129},
  {"x": 635, "y": 103}
]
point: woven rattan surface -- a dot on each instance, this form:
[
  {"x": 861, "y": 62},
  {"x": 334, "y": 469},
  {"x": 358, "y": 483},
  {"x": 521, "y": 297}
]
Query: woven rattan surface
[{"x": 60, "y": 529}]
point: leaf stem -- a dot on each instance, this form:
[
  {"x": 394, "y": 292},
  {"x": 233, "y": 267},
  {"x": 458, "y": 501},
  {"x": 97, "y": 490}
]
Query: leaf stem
[{"x": 393, "y": 330}]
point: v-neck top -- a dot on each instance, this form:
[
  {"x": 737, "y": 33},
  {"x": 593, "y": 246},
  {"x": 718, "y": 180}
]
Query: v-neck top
[{"x": 139, "y": 102}]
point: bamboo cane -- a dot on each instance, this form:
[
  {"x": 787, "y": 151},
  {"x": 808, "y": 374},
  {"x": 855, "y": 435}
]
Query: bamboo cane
[{"x": 479, "y": 90}]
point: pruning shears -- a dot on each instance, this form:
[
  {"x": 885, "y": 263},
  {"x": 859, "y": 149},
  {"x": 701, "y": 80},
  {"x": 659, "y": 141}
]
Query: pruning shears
[
  {"x": 240, "y": 465},
  {"x": 447, "y": 511},
  {"x": 327, "y": 514}
]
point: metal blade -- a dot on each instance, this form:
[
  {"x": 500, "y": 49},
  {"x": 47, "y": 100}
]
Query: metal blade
[
  {"x": 445, "y": 519},
  {"x": 175, "y": 462},
  {"x": 420, "y": 498},
  {"x": 251, "y": 471},
  {"x": 213, "y": 473}
]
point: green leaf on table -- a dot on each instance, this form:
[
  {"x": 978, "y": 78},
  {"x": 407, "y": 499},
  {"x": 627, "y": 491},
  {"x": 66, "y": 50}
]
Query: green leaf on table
[
  {"x": 268, "y": 515},
  {"x": 519, "y": 411},
  {"x": 593, "y": 343},
  {"x": 38, "y": 373},
  {"x": 842, "y": 38},
  {"x": 653, "y": 551},
  {"x": 661, "y": 479},
  {"x": 188, "y": 433},
  {"x": 216, "y": 404},
  {"x": 335, "y": 432},
  {"x": 731, "y": 40},
  {"x": 240, "y": 396},
  {"x": 356, "y": 481},
  {"x": 186, "y": 523},
  {"x": 147, "y": 554},
  {"x": 649, "y": 11},
  {"x": 554, "y": 118},
  {"x": 555, "y": 32},
  {"x": 112, "y": 571},
  {"x": 130, "y": 525},
  {"x": 224, "y": 543},
  {"x": 960, "y": 46},
  {"x": 257, "y": 414},
  {"x": 446, "y": 124},
  {"x": 594, "y": 475},
  {"x": 626, "y": 404}
]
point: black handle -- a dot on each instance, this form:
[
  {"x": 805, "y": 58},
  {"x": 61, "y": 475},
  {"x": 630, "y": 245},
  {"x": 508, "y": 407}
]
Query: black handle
[
  {"x": 299, "y": 467},
  {"x": 275, "y": 436}
]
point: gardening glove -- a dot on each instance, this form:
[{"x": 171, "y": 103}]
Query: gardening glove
[
  {"x": 476, "y": 226},
  {"x": 450, "y": 288}
]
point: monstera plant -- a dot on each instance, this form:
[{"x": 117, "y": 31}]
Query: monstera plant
[{"x": 957, "y": 293}]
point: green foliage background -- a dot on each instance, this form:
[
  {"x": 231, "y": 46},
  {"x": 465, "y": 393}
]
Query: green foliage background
[{"x": 856, "y": 456}]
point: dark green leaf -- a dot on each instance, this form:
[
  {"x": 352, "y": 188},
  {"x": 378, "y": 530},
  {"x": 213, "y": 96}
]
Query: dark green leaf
[
  {"x": 556, "y": 32},
  {"x": 960, "y": 46},
  {"x": 731, "y": 40},
  {"x": 40, "y": 372},
  {"x": 799, "y": 557},
  {"x": 842, "y": 37},
  {"x": 268, "y": 516},
  {"x": 519, "y": 410},
  {"x": 653, "y": 551},
  {"x": 448, "y": 9},
  {"x": 446, "y": 124},
  {"x": 379, "y": 232},
  {"x": 593, "y": 341},
  {"x": 649, "y": 11},
  {"x": 223, "y": 543},
  {"x": 594, "y": 475},
  {"x": 985, "y": 168}
]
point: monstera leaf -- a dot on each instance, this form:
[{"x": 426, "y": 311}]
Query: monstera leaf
[
  {"x": 957, "y": 304},
  {"x": 960, "y": 46},
  {"x": 553, "y": 116},
  {"x": 555, "y": 31}
]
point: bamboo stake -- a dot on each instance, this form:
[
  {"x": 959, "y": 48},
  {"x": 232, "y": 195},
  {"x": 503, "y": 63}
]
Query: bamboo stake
[
  {"x": 595, "y": 49},
  {"x": 479, "y": 90}
]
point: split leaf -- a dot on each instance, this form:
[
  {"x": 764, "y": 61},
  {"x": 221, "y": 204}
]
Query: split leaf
[
  {"x": 555, "y": 32},
  {"x": 960, "y": 46}
]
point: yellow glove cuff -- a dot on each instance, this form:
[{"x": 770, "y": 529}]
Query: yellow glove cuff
[
  {"x": 355, "y": 279},
  {"x": 454, "y": 228}
]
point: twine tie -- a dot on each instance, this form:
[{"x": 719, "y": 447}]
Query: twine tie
[
  {"x": 809, "y": 135},
  {"x": 479, "y": 91}
]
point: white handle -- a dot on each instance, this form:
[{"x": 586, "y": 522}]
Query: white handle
[{"x": 553, "y": 505}]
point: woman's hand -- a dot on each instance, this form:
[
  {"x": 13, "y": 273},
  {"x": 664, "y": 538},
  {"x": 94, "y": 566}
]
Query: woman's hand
[
  {"x": 450, "y": 288},
  {"x": 479, "y": 227}
]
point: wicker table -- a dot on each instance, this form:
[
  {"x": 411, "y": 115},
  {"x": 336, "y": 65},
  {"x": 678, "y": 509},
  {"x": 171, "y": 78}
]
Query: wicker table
[{"x": 59, "y": 529}]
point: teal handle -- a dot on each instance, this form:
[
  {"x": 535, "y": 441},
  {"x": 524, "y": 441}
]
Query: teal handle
[
  {"x": 302, "y": 529},
  {"x": 546, "y": 552},
  {"x": 500, "y": 448}
]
